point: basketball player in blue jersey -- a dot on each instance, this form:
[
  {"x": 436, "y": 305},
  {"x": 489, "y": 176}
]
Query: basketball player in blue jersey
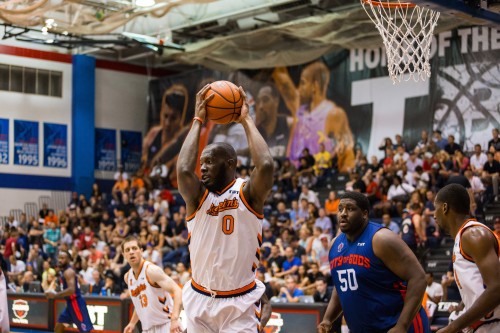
[
  {"x": 224, "y": 228},
  {"x": 379, "y": 283},
  {"x": 76, "y": 309},
  {"x": 476, "y": 263}
]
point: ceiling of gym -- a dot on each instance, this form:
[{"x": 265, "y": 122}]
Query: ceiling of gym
[{"x": 220, "y": 34}]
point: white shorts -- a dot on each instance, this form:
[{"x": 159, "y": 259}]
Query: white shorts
[
  {"x": 206, "y": 314},
  {"x": 4, "y": 307},
  {"x": 488, "y": 328},
  {"x": 165, "y": 328}
]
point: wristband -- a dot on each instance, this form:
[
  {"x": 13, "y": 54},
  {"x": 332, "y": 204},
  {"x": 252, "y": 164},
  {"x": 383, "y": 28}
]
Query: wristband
[{"x": 198, "y": 119}]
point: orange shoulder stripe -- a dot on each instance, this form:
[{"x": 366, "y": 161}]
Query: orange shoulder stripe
[
  {"x": 242, "y": 196},
  {"x": 190, "y": 217},
  {"x": 151, "y": 283}
]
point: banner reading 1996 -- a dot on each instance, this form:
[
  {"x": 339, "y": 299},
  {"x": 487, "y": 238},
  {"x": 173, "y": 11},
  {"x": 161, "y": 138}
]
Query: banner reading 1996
[
  {"x": 26, "y": 143},
  {"x": 55, "y": 145},
  {"x": 4, "y": 141},
  {"x": 131, "y": 147},
  {"x": 105, "y": 149}
]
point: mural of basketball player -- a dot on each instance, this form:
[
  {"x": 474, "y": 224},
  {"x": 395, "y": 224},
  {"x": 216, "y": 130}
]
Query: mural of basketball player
[
  {"x": 316, "y": 118},
  {"x": 163, "y": 142},
  {"x": 272, "y": 126}
]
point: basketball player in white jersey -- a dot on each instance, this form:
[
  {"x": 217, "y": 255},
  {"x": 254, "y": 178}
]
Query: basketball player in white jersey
[
  {"x": 475, "y": 263},
  {"x": 4, "y": 310},
  {"x": 225, "y": 228},
  {"x": 150, "y": 289}
]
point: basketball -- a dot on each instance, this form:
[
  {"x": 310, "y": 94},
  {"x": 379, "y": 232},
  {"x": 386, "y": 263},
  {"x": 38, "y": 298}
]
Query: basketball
[{"x": 225, "y": 106}]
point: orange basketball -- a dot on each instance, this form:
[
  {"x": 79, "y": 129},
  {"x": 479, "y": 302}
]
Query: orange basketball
[{"x": 225, "y": 106}]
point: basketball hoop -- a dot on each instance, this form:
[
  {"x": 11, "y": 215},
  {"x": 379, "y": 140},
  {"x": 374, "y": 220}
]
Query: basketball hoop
[{"x": 406, "y": 30}]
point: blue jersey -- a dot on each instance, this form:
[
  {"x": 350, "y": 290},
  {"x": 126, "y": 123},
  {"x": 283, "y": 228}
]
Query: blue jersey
[
  {"x": 76, "y": 309},
  {"x": 371, "y": 296}
]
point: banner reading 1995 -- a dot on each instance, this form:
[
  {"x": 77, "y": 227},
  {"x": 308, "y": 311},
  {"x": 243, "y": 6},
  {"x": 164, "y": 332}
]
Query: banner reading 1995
[
  {"x": 26, "y": 143},
  {"x": 55, "y": 145},
  {"x": 105, "y": 149},
  {"x": 4, "y": 141}
]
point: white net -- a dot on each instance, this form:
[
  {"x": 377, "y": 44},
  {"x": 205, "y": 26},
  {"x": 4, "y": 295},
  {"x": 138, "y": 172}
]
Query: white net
[{"x": 406, "y": 30}]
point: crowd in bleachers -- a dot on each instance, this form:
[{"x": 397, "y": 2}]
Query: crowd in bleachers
[{"x": 300, "y": 218}]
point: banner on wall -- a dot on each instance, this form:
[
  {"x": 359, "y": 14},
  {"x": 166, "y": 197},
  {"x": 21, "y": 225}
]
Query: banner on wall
[
  {"x": 105, "y": 149},
  {"x": 26, "y": 143},
  {"x": 131, "y": 148},
  {"x": 4, "y": 141},
  {"x": 344, "y": 103},
  {"x": 55, "y": 145}
]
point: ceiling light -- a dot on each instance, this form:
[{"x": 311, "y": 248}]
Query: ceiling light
[
  {"x": 49, "y": 21},
  {"x": 144, "y": 3},
  {"x": 65, "y": 33},
  {"x": 44, "y": 30},
  {"x": 49, "y": 41}
]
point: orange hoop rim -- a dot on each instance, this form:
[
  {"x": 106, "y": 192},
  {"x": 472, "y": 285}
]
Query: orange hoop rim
[{"x": 387, "y": 4}]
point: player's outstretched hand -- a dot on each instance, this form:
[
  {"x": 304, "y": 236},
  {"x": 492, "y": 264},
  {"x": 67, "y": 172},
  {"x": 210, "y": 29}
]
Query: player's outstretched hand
[
  {"x": 50, "y": 294},
  {"x": 201, "y": 102},
  {"x": 129, "y": 328},
  {"x": 244, "y": 107},
  {"x": 324, "y": 327},
  {"x": 175, "y": 326}
]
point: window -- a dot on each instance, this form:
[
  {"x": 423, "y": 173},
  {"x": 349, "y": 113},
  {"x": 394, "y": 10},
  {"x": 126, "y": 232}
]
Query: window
[{"x": 30, "y": 80}]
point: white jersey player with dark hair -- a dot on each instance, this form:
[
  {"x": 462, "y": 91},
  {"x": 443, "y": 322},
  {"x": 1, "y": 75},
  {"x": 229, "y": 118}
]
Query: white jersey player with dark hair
[
  {"x": 476, "y": 263},
  {"x": 225, "y": 228},
  {"x": 150, "y": 289},
  {"x": 4, "y": 310}
]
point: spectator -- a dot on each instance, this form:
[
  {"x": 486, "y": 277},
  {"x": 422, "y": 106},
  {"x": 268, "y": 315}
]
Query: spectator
[
  {"x": 495, "y": 141},
  {"x": 434, "y": 293},
  {"x": 439, "y": 140},
  {"x": 322, "y": 160},
  {"x": 413, "y": 161},
  {"x": 66, "y": 238},
  {"x": 290, "y": 292},
  {"x": 322, "y": 294},
  {"x": 283, "y": 216},
  {"x": 17, "y": 268},
  {"x": 286, "y": 175},
  {"x": 184, "y": 275},
  {"x": 460, "y": 162},
  {"x": 451, "y": 146},
  {"x": 491, "y": 170},
  {"x": 291, "y": 263},
  {"x": 49, "y": 281},
  {"x": 424, "y": 141},
  {"x": 152, "y": 255},
  {"x": 496, "y": 227},
  {"x": 261, "y": 275},
  {"x": 110, "y": 285},
  {"x": 389, "y": 224},
  {"x": 98, "y": 285},
  {"x": 478, "y": 160},
  {"x": 276, "y": 260},
  {"x": 320, "y": 255},
  {"x": 52, "y": 239},
  {"x": 324, "y": 222},
  {"x": 44, "y": 211},
  {"x": 24, "y": 283},
  {"x": 10, "y": 245},
  {"x": 309, "y": 195}
]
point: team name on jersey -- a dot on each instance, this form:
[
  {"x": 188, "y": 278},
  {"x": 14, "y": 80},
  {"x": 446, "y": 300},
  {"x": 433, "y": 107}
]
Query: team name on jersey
[
  {"x": 352, "y": 259},
  {"x": 135, "y": 292},
  {"x": 227, "y": 204}
]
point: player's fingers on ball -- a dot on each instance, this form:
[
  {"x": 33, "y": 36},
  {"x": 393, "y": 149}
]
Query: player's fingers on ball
[{"x": 242, "y": 92}]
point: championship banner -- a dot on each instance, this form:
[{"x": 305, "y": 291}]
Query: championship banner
[
  {"x": 105, "y": 152},
  {"x": 4, "y": 141},
  {"x": 26, "y": 143},
  {"x": 55, "y": 145},
  {"x": 131, "y": 148}
]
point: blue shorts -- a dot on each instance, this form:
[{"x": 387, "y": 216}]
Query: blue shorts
[
  {"x": 76, "y": 313},
  {"x": 421, "y": 323}
]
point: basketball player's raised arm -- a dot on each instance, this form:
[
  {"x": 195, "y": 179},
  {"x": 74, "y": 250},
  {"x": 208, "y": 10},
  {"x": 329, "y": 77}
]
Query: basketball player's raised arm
[
  {"x": 480, "y": 244},
  {"x": 166, "y": 283},
  {"x": 399, "y": 259},
  {"x": 261, "y": 179},
  {"x": 287, "y": 89},
  {"x": 190, "y": 186}
]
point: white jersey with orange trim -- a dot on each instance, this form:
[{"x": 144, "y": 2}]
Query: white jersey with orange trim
[
  {"x": 469, "y": 280},
  {"x": 225, "y": 235},
  {"x": 153, "y": 304}
]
